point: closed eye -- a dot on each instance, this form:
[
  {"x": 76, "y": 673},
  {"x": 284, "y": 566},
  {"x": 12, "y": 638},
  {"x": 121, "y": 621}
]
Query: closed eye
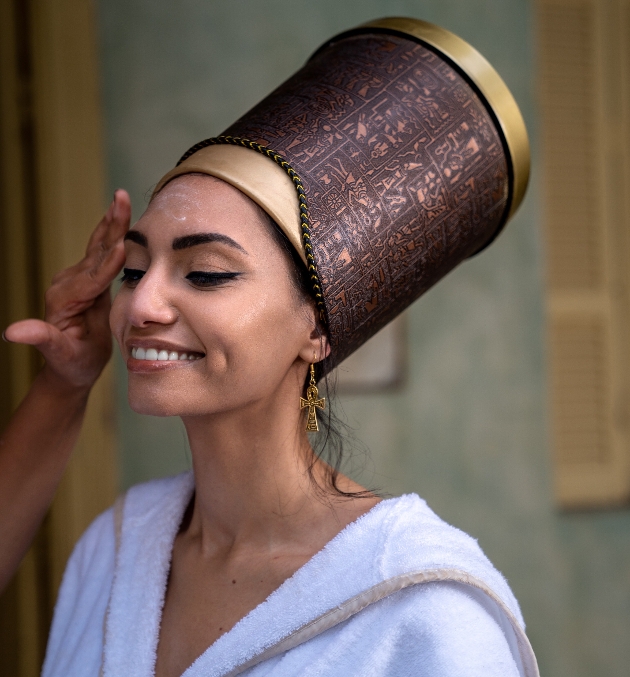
[
  {"x": 202, "y": 279},
  {"x": 131, "y": 275}
]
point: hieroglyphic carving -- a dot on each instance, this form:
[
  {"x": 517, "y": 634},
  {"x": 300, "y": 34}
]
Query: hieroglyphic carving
[{"x": 403, "y": 168}]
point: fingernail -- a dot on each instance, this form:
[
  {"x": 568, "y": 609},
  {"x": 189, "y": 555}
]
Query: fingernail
[{"x": 4, "y": 338}]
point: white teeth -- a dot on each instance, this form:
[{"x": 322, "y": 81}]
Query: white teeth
[{"x": 161, "y": 355}]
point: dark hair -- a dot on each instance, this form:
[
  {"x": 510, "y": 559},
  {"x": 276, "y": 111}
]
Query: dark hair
[{"x": 329, "y": 444}]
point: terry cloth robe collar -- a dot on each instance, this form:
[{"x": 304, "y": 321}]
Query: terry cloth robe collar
[{"x": 352, "y": 571}]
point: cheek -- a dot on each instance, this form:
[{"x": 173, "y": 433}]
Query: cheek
[{"x": 256, "y": 337}]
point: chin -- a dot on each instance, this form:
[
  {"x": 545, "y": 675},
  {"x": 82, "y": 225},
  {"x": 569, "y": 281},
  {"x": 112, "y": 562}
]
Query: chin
[
  {"x": 152, "y": 401},
  {"x": 170, "y": 401},
  {"x": 153, "y": 407}
]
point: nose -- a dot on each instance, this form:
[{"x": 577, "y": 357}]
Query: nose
[{"x": 151, "y": 300}]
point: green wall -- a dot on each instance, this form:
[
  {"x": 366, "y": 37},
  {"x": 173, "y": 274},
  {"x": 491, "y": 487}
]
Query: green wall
[{"x": 468, "y": 431}]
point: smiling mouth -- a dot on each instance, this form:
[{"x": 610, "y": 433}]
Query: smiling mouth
[{"x": 153, "y": 355}]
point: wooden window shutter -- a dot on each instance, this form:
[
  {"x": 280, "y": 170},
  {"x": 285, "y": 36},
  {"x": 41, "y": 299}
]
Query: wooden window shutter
[{"x": 585, "y": 104}]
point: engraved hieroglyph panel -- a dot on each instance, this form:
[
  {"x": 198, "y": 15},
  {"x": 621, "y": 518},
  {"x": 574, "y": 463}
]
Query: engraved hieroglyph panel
[{"x": 403, "y": 168}]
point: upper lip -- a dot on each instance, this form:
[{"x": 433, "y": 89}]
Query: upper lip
[{"x": 158, "y": 345}]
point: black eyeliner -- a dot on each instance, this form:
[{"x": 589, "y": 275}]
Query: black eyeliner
[{"x": 210, "y": 279}]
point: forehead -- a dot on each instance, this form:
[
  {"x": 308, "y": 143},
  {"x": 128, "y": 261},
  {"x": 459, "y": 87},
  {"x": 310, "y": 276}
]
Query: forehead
[{"x": 196, "y": 203}]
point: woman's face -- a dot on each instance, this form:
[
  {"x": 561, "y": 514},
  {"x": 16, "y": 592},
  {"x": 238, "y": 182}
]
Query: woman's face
[{"x": 207, "y": 318}]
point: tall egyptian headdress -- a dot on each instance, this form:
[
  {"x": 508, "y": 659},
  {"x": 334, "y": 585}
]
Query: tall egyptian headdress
[{"x": 392, "y": 155}]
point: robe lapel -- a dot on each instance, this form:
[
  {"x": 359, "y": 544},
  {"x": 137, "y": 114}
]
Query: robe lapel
[
  {"x": 346, "y": 566},
  {"x": 151, "y": 518}
]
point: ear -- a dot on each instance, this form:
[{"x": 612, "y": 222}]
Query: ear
[{"x": 316, "y": 345}]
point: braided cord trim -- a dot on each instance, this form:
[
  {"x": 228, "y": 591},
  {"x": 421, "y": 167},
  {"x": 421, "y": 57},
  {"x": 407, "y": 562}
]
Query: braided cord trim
[{"x": 297, "y": 182}]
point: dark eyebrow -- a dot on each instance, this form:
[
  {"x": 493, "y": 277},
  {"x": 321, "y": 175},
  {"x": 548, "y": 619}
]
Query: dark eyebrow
[
  {"x": 137, "y": 237},
  {"x": 204, "y": 238}
]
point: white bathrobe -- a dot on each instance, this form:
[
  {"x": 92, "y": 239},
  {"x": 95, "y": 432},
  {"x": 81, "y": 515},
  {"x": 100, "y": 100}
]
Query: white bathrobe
[{"x": 398, "y": 593}]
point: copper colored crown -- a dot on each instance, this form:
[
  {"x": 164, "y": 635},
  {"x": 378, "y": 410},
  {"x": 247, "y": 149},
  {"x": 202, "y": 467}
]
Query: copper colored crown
[{"x": 412, "y": 154}]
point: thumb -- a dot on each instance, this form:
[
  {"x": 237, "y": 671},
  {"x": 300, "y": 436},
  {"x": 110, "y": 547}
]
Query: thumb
[{"x": 36, "y": 333}]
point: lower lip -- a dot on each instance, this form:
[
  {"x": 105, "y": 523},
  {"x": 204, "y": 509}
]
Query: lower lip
[{"x": 150, "y": 366}]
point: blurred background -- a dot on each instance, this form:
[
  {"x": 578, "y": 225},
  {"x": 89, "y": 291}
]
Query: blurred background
[{"x": 506, "y": 405}]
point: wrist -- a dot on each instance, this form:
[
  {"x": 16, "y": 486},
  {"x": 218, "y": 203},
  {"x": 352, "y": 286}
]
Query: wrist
[{"x": 57, "y": 386}]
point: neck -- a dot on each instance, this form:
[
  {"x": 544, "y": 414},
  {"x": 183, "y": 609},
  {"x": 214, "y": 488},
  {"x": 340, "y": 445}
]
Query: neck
[{"x": 252, "y": 474}]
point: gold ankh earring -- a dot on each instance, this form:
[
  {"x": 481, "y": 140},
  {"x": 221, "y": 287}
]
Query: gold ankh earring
[{"x": 312, "y": 401}]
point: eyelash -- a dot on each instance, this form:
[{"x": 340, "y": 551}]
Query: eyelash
[{"x": 198, "y": 278}]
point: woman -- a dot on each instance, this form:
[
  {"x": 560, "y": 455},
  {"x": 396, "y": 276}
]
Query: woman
[{"x": 236, "y": 297}]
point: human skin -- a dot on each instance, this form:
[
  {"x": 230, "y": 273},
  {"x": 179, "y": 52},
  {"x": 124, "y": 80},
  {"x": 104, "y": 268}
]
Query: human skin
[
  {"x": 256, "y": 516},
  {"x": 75, "y": 342}
]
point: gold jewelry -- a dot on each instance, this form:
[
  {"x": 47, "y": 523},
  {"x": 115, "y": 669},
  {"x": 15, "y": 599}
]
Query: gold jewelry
[{"x": 312, "y": 401}]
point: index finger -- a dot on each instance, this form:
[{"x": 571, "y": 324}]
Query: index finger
[
  {"x": 112, "y": 227},
  {"x": 74, "y": 289}
]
